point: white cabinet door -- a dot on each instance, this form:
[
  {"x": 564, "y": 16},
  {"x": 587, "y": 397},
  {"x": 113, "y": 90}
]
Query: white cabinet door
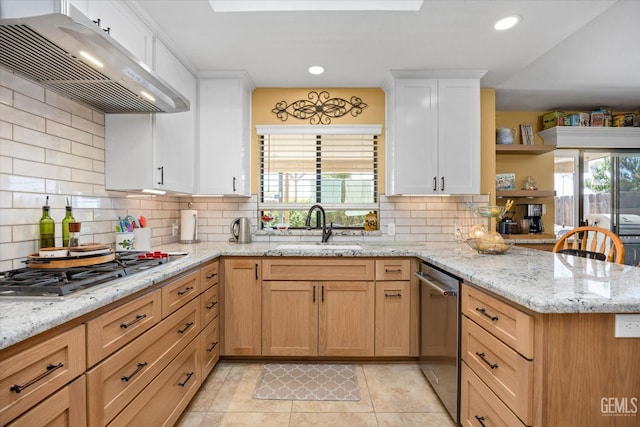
[
  {"x": 124, "y": 26},
  {"x": 154, "y": 151},
  {"x": 174, "y": 134},
  {"x": 413, "y": 152},
  {"x": 224, "y": 139},
  {"x": 433, "y": 136},
  {"x": 459, "y": 136}
]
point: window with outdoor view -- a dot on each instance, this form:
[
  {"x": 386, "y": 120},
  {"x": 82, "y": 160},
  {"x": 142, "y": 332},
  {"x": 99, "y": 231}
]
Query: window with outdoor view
[{"x": 336, "y": 167}]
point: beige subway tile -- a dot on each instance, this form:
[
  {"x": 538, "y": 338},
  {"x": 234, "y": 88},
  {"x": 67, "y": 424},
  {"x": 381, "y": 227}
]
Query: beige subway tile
[
  {"x": 78, "y": 175},
  {"x": 19, "y": 150},
  {"x": 41, "y": 109},
  {"x": 22, "y": 183},
  {"x": 21, "y": 85},
  {"x": 41, "y": 139},
  {"x": 98, "y": 142},
  {"x": 6, "y": 199},
  {"x": 41, "y": 170},
  {"x": 97, "y": 166},
  {"x": 22, "y": 118},
  {"x": 411, "y": 206},
  {"x": 87, "y": 126},
  {"x": 68, "y": 160},
  {"x": 6, "y": 95},
  {"x": 68, "y": 105},
  {"x": 23, "y": 233},
  {"x": 84, "y": 150},
  {"x": 98, "y": 117},
  {"x": 6, "y": 130},
  {"x": 5, "y": 234},
  {"x": 63, "y": 131},
  {"x": 67, "y": 187}
]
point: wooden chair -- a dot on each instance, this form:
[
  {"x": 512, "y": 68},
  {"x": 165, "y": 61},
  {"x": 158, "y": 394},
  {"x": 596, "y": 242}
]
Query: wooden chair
[{"x": 591, "y": 242}]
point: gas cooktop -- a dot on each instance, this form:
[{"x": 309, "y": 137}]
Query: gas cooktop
[{"x": 61, "y": 282}]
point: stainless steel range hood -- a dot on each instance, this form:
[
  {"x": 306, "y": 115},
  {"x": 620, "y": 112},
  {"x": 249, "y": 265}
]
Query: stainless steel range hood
[{"x": 43, "y": 40}]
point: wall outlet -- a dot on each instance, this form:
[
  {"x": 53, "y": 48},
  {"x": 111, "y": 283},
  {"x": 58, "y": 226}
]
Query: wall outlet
[
  {"x": 391, "y": 229},
  {"x": 457, "y": 232},
  {"x": 174, "y": 230},
  {"x": 627, "y": 326}
]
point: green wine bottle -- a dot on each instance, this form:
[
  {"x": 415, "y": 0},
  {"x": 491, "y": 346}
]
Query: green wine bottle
[
  {"x": 47, "y": 229},
  {"x": 65, "y": 225}
]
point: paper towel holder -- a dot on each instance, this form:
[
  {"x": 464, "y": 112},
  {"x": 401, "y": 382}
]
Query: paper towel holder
[{"x": 195, "y": 229}]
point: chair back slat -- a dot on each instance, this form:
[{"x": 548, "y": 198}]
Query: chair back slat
[{"x": 589, "y": 240}]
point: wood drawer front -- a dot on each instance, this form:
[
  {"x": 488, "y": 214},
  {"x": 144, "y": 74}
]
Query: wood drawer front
[
  {"x": 506, "y": 372},
  {"x": 512, "y": 326},
  {"x": 112, "y": 330},
  {"x": 66, "y": 408},
  {"x": 209, "y": 347},
  {"x": 393, "y": 311},
  {"x": 141, "y": 361},
  {"x": 479, "y": 404},
  {"x": 179, "y": 292},
  {"x": 393, "y": 269},
  {"x": 168, "y": 394},
  {"x": 210, "y": 306},
  {"x": 35, "y": 372},
  {"x": 209, "y": 275},
  {"x": 317, "y": 269}
]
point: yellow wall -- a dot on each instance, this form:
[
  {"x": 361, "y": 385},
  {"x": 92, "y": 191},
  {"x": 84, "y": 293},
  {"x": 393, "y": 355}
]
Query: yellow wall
[
  {"x": 265, "y": 99},
  {"x": 487, "y": 147},
  {"x": 539, "y": 166}
]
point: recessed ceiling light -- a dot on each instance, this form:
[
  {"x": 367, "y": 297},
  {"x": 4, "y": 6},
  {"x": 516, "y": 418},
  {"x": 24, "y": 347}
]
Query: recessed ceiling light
[
  {"x": 307, "y": 5},
  {"x": 506, "y": 23},
  {"x": 316, "y": 69}
]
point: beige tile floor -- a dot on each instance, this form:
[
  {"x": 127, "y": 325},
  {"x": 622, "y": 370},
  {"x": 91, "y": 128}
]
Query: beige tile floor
[{"x": 391, "y": 395}]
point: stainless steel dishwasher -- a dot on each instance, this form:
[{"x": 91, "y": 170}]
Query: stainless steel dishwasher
[{"x": 439, "y": 355}]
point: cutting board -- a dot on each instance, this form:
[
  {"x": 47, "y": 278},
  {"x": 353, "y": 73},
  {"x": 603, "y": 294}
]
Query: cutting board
[{"x": 35, "y": 261}]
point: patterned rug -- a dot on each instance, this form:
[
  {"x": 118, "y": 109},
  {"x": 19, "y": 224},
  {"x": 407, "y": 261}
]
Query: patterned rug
[{"x": 307, "y": 381}]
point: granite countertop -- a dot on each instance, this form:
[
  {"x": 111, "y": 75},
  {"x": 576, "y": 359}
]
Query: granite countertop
[{"x": 541, "y": 281}]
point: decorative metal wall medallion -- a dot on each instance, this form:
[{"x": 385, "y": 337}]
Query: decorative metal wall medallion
[{"x": 319, "y": 109}]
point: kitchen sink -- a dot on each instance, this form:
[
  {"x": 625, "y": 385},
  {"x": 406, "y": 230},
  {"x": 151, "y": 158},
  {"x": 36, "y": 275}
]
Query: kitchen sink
[{"x": 318, "y": 246}]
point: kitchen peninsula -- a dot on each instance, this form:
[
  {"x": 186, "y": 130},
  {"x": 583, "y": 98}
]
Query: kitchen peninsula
[{"x": 570, "y": 303}]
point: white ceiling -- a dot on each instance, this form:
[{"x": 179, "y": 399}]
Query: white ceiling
[{"x": 565, "y": 54}]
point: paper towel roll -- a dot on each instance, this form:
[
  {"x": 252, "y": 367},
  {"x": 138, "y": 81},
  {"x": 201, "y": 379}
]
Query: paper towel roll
[{"x": 189, "y": 226}]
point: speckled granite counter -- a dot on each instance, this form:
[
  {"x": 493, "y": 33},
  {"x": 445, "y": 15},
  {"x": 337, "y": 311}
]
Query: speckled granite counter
[{"x": 541, "y": 281}]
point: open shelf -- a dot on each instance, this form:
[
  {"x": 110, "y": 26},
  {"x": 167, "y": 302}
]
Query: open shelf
[
  {"x": 525, "y": 193},
  {"x": 524, "y": 148}
]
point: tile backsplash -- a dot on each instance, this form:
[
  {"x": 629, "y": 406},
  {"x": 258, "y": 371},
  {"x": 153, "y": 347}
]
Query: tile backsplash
[{"x": 51, "y": 145}]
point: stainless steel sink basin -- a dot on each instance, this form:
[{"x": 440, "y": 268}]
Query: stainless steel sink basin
[{"x": 318, "y": 246}]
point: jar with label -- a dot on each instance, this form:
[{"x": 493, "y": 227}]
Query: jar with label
[
  {"x": 74, "y": 234},
  {"x": 68, "y": 218}
]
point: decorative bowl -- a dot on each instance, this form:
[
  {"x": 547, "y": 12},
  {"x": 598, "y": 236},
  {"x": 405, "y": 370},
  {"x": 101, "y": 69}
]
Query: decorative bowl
[
  {"x": 489, "y": 211},
  {"x": 487, "y": 247},
  {"x": 282, "y": 226}
]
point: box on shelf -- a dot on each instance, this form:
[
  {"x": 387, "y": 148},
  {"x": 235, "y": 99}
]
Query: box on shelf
[
  {"x": 623, "y": 120},
  {"x": 585, "y": 119},
  {"x": 572, "y": 120},
  {"x": 551, "y": 119},
  {"x": 597, "y": 119},
  {"x": 506, "y": 181}
]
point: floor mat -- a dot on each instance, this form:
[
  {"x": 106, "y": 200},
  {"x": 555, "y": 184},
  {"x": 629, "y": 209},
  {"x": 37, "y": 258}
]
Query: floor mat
[{"x": 307, "y": 381}]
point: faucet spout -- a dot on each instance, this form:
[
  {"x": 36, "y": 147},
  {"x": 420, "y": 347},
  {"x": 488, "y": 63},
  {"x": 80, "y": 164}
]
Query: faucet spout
[{"x": 326, "y": 231}]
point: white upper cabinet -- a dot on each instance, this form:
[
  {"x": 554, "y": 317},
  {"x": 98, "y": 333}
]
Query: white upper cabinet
[
  {"x": 225, "y": 135},
  {"x": 433, "y": 133},
  {"x": 122, "y": 24},
  {"x": 154, "y": 151}
]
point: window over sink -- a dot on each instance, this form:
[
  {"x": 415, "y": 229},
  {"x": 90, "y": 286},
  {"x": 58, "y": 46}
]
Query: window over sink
[{"x": 335, "y": 166}]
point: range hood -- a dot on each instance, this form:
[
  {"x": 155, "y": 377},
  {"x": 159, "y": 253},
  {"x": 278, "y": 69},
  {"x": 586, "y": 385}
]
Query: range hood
[{"x": 43, "y": 40}]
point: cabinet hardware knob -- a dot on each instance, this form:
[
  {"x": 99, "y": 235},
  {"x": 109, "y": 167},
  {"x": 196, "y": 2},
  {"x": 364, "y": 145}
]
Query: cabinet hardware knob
[
  {"x": 50, "y": 368},
  {"x": 189, "y": 375},
  {"x": 107, "y": 30},
  {"x": 484, "y": 313},
  {"x": 161, "y": 169},
  {"x": 186, "y": 327},
  {"x": 435, "y": 184},
  {"x": 138, "y": 318},
  {"x": 185, "y": 291},
  {"x": 234, "y": 184},
  {"x": 97, "y": 22},
  {"x": 480, "y": 420},
  {"x": 489, "y": 364},
  {"x": 141, "y": 365}
]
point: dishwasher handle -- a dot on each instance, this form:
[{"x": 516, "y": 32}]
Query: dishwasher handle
[{"x": 435, "y": 285}]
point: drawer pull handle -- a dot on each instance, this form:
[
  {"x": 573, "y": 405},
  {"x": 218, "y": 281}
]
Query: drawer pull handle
[
  {"x": 314, "y": 294},
  {"x": 138, "y": 318},
  {"x": 480, "y": 420},
  {"x": 213, "y": 345},
  {"x": 141, "y": 365},
  {"x": 189, "y": 375},
  {"x": 489, "y": 364},
  {"x": 322, "y": 293},
  {"x": 398, "y": 295},
  {"x": 396, "y": 270},
  {"x": 186, "y": 327},
  {"x": 213, "y": 304},
  {"x": 211, "y": 276},
  {"x": 50, "y": 368},
  {"x": 484, "y": 313},
  {"x": 185, "y": 291}
]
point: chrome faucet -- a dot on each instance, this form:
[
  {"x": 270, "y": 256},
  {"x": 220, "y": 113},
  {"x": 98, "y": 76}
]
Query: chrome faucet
[{"x": 326, "y": 232}]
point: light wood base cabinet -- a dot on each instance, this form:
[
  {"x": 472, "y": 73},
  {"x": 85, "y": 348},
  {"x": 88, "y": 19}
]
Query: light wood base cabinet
[
  {"x": 177, "y": 383},
  {"x": 393, "y": 318},
  {"x": 242, "y": 307},
  {"x": 65, "y": 408}
]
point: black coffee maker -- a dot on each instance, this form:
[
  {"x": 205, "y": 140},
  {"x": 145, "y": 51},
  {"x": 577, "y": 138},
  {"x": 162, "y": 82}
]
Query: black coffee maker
[{"x": 533, "y": 213}]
